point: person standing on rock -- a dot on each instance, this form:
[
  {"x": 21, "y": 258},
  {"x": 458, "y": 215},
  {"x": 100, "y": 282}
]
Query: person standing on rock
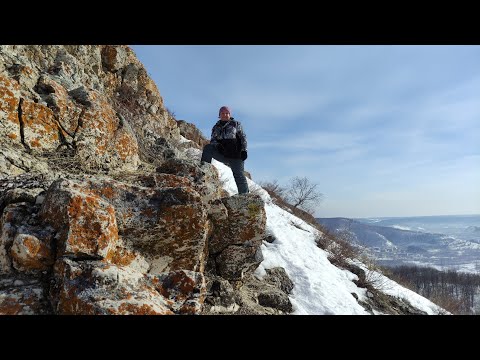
[{"x": 228, "y": 145}]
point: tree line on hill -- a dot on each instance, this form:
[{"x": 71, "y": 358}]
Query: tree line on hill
[{"x": 454, "y": 291}]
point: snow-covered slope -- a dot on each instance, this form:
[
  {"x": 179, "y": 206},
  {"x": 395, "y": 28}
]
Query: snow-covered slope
[{"x": 320, "y": 287}]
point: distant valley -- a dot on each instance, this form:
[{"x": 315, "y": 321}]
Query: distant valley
[{"x": 443, "y": 242}]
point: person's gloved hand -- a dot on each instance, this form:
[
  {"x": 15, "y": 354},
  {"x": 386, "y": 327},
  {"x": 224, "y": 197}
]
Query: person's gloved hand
[{"x": 243, "y": 155}]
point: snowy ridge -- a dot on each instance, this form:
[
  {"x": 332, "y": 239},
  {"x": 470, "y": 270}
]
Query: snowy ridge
[
  {"x": 400, "y": 227},
  {"x": 320, "y": 288}
]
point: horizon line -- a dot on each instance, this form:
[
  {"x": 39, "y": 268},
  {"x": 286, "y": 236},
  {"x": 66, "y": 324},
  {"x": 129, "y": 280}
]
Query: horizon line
[{"x": 390, "y": 217}]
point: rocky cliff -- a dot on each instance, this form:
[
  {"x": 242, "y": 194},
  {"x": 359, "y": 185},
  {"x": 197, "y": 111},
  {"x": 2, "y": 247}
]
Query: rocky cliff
[{"x": 104, "y": 206}]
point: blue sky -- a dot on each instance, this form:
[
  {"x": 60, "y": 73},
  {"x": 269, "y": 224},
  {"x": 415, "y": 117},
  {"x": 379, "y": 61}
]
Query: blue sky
[{"x": 383, "y": 130}]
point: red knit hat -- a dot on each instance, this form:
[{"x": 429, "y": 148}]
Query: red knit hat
[{"x": 224, "y": 108}]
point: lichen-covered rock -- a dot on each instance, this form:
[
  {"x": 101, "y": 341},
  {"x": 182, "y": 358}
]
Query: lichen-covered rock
[
  {"x": 171, "y": 181},
  {"x": 166, "y": 225},
  {"x": 9, "y": 100},
  {"x": 85, "y": 224},
  {"x": 63, "y": 108},
  {"x": 278, "y": 277},
  {"x": 95, "y": 287},
  {"x": 184, "y": 290},
  {"x": 192, "y": 133},
  {"x": 14, "y": 160},
  {"x": 204, "y": 177},
  {"x": 40, "y": 128},
  {"x": 97, "y": 100},
  {"x": 220, "y": 297},
  {"x": 17, "y": 194},
  {"x": 14, "y": 215},
  {"x": 124, "y": 256},
  {"x": 275, "y": 299},
  {"x": 98, "y": 288},
  {"x": 235, "y": 261},
  {"x": 20, "y": 299},
  {"x": 218, "y": 211},
  {"x": 238, "y": 227},
  {"x": 245, "y": 224},
  {"x": 30, "y": 254},
  {"x": 249, "y": 296},
  {"x": 113, "y": 58},
  {"x": 102, "y": 140}
]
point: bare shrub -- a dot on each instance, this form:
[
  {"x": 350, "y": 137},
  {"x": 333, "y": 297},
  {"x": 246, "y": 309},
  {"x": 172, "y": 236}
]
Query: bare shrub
[
  {"x": 277, "y": 194},
  {"x": 256, "y": 189},
  {"x": 300, "y": 194},
  {"x": 339, "y": 247},
  {"x": 398, "y": 278},
  {"x": 303, "y": 194},
  {"x": 342, "y": 251},
  {"x": 376, "y": 280},
  {"x": 305, "y": 216},
  {"x": 170, "y": 113},
  {"x": 273, "y": 187},
  {"x": 449, "y": 303},
  {"x": 69, "y": 161},
  {"x": 324, "y": 239}
]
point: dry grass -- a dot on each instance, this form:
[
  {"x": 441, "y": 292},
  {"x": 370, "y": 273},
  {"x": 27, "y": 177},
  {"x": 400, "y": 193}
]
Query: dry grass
[
  {"x": 339, "y": 247},
  {"x": 64, "y": 160},
  {"x": 451, "y": 304}
]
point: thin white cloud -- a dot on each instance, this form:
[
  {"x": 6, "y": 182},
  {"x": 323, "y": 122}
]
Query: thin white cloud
[{"x": 319, "y": 141}]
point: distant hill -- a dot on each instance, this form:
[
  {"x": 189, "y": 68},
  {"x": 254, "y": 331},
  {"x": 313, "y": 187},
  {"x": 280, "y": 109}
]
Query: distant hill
[{"x": 393, "y": 246}]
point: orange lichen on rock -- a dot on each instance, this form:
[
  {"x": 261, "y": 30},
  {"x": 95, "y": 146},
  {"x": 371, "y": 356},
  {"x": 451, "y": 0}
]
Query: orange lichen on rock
[
  {"x": 9, "y": 99},
  {"x": 35, "y": 142},
  {"x": 185, "y": 288},
  {"x": 23, "y": 300},
  {"x": 29, "y": 253},
  {"x": 107, "y": 192},
  {"x": 171, "y": 180},
  {"x": 99, "y": 125},
  {"x": 120, "y": 256},
  {"x": 109, "y": 57},
  {"x": 71, "y": 304},
  {"x": 125, "y": 145},
  {"x": 10, "y": 306},
  {"x": 66, "y": 111},
  {"x": 92, "y": 225},
  {"x": 138, "y": 309},
  {"x": 85, "y": 223},
  {"x": 39, "y": 125}
]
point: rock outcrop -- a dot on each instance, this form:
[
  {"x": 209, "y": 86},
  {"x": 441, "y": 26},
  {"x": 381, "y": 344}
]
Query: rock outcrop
[
  {"x": 97, "y": 101},
  {"x": 249, "y": 296},
  {"x": 191, "y": 133}
]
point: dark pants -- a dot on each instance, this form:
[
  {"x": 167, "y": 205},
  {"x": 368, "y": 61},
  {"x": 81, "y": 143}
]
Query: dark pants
[{"x": 210, "y": 151}]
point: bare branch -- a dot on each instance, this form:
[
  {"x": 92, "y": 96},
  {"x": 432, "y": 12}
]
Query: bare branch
[
  {"x": 303, "y": 194},
  {"x": 274, "y": 187}
]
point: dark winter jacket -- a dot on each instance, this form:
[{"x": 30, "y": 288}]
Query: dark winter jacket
[{"x": 229, "y": 138}]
